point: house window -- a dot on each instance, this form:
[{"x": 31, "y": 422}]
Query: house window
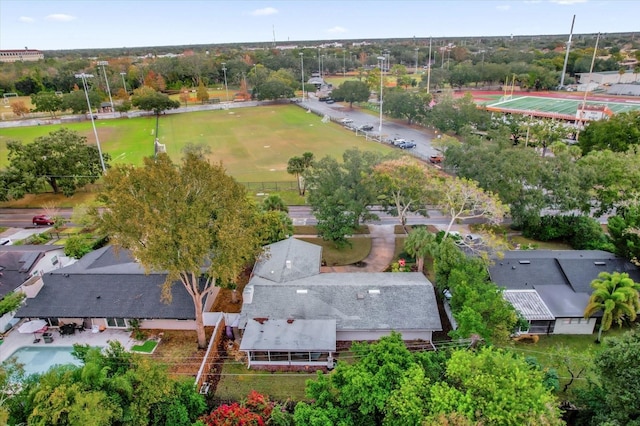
[
  {"x": 117, "y": 323},
  {"x": 53, "y": 322}
]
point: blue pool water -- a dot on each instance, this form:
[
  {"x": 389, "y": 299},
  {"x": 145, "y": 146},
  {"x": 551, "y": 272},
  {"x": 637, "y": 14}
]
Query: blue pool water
[{"x": 39, "y": 359}]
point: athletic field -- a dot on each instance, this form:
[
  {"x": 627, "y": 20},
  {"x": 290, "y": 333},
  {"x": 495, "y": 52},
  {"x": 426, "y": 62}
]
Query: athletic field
[{"x": 556, "y": 107}]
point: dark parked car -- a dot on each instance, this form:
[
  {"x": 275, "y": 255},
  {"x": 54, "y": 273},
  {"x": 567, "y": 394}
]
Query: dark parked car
[
  {"x": 366, "y": 127},
  {"x": 330, "y": 101},
  {"x": 406, "y": 145},
  {"x": 42, "y": 219}
]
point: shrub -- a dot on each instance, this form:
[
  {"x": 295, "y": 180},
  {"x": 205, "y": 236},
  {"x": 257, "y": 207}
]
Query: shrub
[
  {"x": 78, "y": 245},
  {"x": 581, "y": 232}
]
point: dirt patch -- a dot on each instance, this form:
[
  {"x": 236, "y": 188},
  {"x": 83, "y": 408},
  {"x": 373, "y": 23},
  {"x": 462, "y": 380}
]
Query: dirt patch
[
  {"x": 178, "y": 350},
  {"x": 224, "y": 302}
]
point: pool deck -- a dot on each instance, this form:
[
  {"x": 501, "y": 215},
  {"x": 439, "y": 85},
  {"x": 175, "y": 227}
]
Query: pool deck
[{"x": 15, "y": 340}]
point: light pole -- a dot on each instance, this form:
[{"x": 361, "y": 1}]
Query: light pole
[
  {"x": 344, "y": 63},
  {"x": 302, "y": 72},
  {"x": 381, "y": 59},
  {"x": 429, "y": 67},
  {"x": 124, "y": 83},
  {"x": 104, "y": 71},
  {"x": 416, "y": 60},
  {"x": 84, "y": 77},
  {"x": 226, "y": 88}
]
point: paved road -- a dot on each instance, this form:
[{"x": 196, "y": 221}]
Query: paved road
[
  {"x": 301, "y": 215},
  {"x": 390, "y": 129}
]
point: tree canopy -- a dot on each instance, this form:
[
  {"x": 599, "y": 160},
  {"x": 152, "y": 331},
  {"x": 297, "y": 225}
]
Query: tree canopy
[
  {"x": 351, "y": 91},
  {"x": 191, "y": 220},
  {"x": 112, "y": 387},
  {"x": 62, "y": 159}
]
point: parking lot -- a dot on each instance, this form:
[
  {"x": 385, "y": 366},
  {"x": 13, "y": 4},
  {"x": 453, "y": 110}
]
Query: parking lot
[{"x": 354, "y": 120}]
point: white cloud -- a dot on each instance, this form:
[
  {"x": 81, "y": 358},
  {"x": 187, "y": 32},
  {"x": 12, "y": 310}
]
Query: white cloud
[
  {"x": 60, "y": 17},
  {"x": 503, "y": 7},
  {"x": 568, "y": 1},
  {"x": 337, "y": 30},
  {"x": 27, "y": 19},
  {"x": 265, "y": 11}
]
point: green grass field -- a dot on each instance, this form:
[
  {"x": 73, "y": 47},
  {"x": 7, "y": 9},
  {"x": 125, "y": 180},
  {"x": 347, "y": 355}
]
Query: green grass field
[
  {"x": 560, "y": 106},
  {"x": 254, "y": 144}
]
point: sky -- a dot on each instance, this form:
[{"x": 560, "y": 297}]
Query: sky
[{"x": 80, "y": 24}]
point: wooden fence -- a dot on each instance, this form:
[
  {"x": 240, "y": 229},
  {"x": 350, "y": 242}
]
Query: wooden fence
[{"x": 207, "y": 369}]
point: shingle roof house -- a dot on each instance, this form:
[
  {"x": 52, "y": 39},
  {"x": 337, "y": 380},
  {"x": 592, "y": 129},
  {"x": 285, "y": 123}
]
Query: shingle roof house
[
  {"x": 288, "y": 299},
  {"x": 551, "y": 288},
  {"x": 107, "y": 288}
]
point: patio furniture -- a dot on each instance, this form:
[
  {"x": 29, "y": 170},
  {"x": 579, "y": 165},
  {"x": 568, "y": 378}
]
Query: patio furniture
[
  {"x": 67, "y": 329},
  {"x": 48, "y": 337}
]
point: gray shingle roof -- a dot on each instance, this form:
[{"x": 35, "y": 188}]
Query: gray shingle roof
[
  {"x": 289, "y": 260},
  {"x": 17, "y": 262},
  {"x": 105, "y": 260},
  {"x": 300, "y": 335},
  {"x": 100, "y": 296},
  {"x": 562, "y": 301},
  {"x": 357, "y": 301},
  {"x": 562, "y": 278}
]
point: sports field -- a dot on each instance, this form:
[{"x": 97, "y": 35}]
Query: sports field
[
  {"x": 254, "y": 144},
  {"x": 528, "y": 104}
]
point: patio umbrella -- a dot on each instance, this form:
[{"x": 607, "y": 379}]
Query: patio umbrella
[{"x": 32, "y": 326}]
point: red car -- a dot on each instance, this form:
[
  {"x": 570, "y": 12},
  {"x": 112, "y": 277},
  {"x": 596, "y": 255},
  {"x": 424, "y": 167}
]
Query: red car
[{"x": 42, "y": 219}]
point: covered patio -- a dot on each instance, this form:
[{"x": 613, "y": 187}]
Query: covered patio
[{"x": 289, "y": 342}]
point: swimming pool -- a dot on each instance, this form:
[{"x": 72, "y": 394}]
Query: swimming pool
[{"x": 39, "y": 359}]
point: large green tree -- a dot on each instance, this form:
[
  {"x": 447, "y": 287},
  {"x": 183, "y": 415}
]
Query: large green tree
[
  {"x": 150, "y": 100},
  {"x": 351, "y": 91},
  {"x": 76, "y": 101},
  {"x": 191, "y": 220},
  {"x": 47, "y": 102},
  {"x": 112, "y": 387},
  {"x": 403, "y": 187},
  {"x": 616, "y": 296},
  {"x": 62, "y": 159},
  {"x": 617, "y": 369},
  {"x": 618, "y": 133},
  {"x": 401, "y": 104},
  {"x": 494, "y": 387},
  {"x": 624, "y": 230}
]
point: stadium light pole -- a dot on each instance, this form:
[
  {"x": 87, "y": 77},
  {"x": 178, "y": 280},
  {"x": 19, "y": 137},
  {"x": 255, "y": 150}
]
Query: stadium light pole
[
  {"x": 381, "y": 59},
  {"x": 84, "y": 77},
  {"x": 302, "y": 72},
  {"x": 124, "y": 84},
  {"x": 104, "y": 71},
  {"x": 226, "y": 88},
  {"x": 429, "y": 67}
]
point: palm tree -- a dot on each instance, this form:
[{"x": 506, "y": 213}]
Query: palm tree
[
  {"x": 616, "y": 295},
  {"x": 419, "y": 243}
]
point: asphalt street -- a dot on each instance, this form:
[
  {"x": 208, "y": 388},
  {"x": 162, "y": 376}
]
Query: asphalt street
[{"x": 300, "y": 215}]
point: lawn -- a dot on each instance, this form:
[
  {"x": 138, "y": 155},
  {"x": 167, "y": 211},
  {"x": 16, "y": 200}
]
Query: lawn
[
  {"x": 580, "y": 350},
  {"x": 147, "y": 347},
  {"x": 253, "y": 143},
  {"x": 237, "y": 381},
  {"x": 333, "y": 256}
]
